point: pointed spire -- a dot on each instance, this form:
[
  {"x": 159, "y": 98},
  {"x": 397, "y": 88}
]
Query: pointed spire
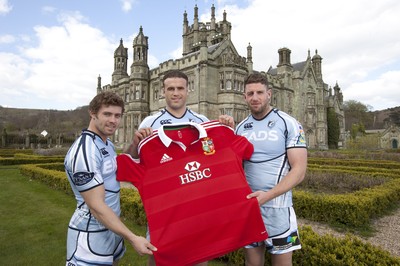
[
  {"x": 196, "y": 12},
  {"x": 120, "y": 51},
  {"x": 212, "y": 27},
  {"x": 196, "y": 18},
  {"x": 140, "y": 38},
  {"x": 185, "y": 19},
  {"x": 185, "y": 23},
  {"x": 249, "y": 53},
  {"x": 99, "y": 84}
]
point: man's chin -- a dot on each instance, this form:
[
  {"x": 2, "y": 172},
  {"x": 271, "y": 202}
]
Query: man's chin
[
  {"x": 177, "y": 106},
  {"x": 110, "y": 132},
  {"x": 254, "y": 110}
]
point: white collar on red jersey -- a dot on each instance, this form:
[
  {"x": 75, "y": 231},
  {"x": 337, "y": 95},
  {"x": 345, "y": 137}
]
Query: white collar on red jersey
[{"x": 167, "y": 141}]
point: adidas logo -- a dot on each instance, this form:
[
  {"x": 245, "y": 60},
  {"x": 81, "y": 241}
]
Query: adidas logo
[{"x": 165, "y": 158}]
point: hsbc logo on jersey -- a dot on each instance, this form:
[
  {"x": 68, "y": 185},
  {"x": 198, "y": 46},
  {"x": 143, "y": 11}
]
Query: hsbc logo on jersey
[
  {"x": 192, "y": 166},
  {"x": 194, "y": 173}
]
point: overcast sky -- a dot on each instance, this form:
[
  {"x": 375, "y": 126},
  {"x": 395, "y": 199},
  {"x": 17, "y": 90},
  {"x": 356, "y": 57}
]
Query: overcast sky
[{"x": 51, "y": 52}]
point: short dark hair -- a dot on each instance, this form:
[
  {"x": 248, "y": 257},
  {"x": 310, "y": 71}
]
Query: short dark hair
[
  {"x": 256, "y": 78},
  {"x": 106, "y": 98},
  {"x": 175, "y": 74}
]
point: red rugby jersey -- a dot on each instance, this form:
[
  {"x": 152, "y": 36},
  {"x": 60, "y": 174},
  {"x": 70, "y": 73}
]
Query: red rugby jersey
[{"x": 193, "y": 188}]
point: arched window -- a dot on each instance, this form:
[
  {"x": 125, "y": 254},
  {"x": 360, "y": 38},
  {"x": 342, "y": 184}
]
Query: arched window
[
  {"x": 137, "y": 92},
  {"x": 395, "y": 144},
  {"x": 228, "y": 85}
]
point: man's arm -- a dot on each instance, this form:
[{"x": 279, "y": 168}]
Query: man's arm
[
  {"x": 94, "y": 198},
  {"x": 139, "y": 134},
  {"x": 298, "y": 162}
]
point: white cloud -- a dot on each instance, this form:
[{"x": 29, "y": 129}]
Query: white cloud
[
  {"x": 62, "y": 69},
  {"x": 5, "y": 7},
  {"x": 371, "y": 91},
  {"x": 177, "y": 53},
  {"x": 49, "y": 9},
  {"x": 13, "y": 71},
  {"x": 7, "y": 39},
  {"x": 127, "y": 5}
]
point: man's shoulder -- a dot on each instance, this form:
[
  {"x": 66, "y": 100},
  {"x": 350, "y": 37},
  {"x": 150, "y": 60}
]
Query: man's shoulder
[
  {"x": 285, "y": 116},
  {"x": 244, "y": 123},
  {"x": 149, "y": 120},
  {"x": 282, "y": 114},
  {"x": 202, "y": 118}
]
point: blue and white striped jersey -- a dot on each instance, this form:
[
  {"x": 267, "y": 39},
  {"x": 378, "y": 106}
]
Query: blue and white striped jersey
[
  {"x": 91, "y": 162},
  {"x": 271, "y": 136},
  {"x": 164, "y": 117}
]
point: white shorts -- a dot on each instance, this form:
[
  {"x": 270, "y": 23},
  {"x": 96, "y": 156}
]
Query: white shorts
[
  {"x": 281, "y": 225},
  {"x": 93, "y": 248}
]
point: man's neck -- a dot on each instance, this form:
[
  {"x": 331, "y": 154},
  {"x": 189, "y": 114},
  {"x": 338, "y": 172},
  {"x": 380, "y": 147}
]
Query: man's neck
[
  {"x": 262, "y": 115},
  {"x": 176, "y": 112}
]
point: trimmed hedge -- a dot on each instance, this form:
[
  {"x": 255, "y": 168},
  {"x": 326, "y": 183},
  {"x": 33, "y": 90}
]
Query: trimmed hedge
[
  {"x": 355, "y": 171},
  {"x": 54, "y": 179},
  {"x": 351, "y": 209},
  {"x": 395, "y": 173},
  {"x": 11, "y": 152},
  {"x": 132, "y": 206},
  {"x": 354, "y": 163},
  {"x": 53, "y": 166},
  {"x": 30, "y": 159}
]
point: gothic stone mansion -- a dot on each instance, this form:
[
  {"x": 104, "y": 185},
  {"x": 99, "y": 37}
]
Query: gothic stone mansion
[{"x": 216, "y": 74}]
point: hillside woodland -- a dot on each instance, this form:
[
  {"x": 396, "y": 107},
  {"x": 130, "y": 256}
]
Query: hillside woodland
[
  {"x": 33, "y": 121},
  {"x": 358, "y": 113}
]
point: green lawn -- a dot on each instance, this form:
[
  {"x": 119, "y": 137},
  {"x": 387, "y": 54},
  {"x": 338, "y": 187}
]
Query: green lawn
[{"x": 34, "y": 222}]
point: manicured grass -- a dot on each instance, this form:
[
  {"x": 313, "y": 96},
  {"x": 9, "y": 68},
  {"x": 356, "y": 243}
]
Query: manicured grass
[{"x": 34, "y": 221}]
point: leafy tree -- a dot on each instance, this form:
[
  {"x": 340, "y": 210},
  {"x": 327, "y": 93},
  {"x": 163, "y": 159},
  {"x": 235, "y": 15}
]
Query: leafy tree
[
  {"x": 357, "y": 129},
  {"x": 394, "y": 117},
  {"x": 356, "y": 112},
  {"x": 333, "y": 129}
]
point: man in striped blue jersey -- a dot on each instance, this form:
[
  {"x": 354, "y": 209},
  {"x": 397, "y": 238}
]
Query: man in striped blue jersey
[
  {"x": 277, "y": 165},
  {"x": 95, "y": 231}
]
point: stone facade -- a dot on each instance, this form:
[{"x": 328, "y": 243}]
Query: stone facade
[
  {"x": 216, "y": 74},
  {"x": 390, "y": 137}
]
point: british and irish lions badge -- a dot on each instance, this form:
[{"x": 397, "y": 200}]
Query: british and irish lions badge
[{"x": 208, "y": 146}]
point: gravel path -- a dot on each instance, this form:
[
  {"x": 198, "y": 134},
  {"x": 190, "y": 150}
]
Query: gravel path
[{"x": 387, "y": 235}]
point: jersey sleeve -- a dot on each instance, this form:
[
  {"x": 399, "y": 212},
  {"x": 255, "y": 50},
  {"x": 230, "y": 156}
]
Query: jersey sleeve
[
  {"x": 242, "y": 147},
  {"x": 146, "y": 122},
  {"x": 86, "y": 166},
  {"x": 296, "y": 136},
  {"x": 239, "y": 144},
  {"x": 129, "y": 170},
  {"x": 203, "y": 118}
]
